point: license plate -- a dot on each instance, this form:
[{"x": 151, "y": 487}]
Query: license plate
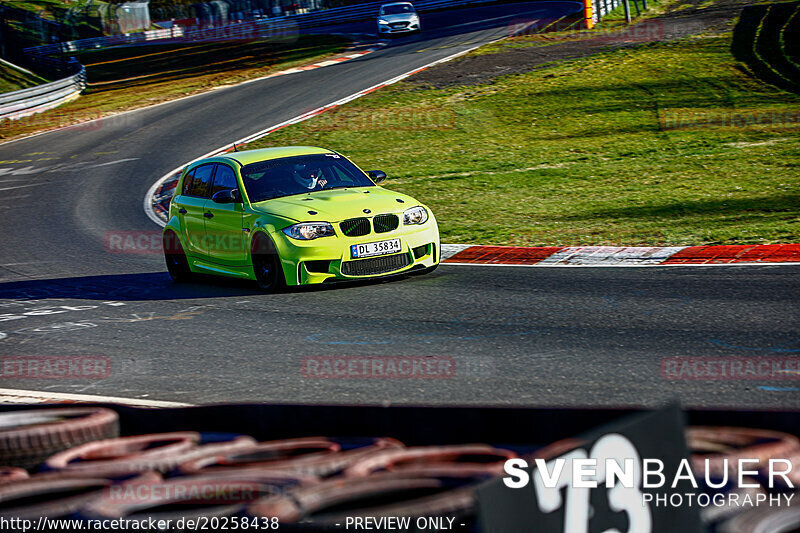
[{"x": 370, "y": 249}]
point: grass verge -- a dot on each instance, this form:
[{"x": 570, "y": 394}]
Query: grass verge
[
  {"x": 12, "y": 79},
  {"x": 660, "y": 144},
  {"x": 569, "y": 30},
  {"x": 126, "y": 78}
]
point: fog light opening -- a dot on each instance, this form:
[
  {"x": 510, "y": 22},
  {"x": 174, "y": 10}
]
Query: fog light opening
[
  {"x": 318, "y": 266},
  {"x": 421, "y": 251}
]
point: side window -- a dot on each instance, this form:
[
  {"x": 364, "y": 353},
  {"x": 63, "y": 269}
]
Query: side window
[
  {"x": 200, "y": 184},
  {"x": 224, "y": 179},
  {"x": 187, "y": 181}
]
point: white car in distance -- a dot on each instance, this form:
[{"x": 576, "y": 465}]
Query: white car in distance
[{"x": 398, "y": 17}]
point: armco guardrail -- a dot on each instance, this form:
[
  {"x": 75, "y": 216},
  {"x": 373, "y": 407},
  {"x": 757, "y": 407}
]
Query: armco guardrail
[
  {"x": 253, "y": 29},
  {"x": 601, "y": 8},
  {"x": 26, "y": 102}
]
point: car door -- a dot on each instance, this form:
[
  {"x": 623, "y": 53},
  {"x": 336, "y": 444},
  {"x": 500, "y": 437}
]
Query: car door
[
  {"x": 191, "y": 208},
  {"x": 226, "y": 241}
]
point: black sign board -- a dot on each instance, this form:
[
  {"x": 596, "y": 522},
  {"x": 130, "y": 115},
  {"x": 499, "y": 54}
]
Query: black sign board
[{"x": 551, "y": 501}]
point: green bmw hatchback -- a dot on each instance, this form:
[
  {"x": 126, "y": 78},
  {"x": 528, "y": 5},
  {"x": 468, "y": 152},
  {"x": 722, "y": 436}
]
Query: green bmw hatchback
[{"x": 294, "y": 216}]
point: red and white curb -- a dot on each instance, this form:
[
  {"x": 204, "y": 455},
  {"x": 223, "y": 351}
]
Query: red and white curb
[
  {"x": 616, "y": 256},
  {"x": 16, "y": 396}
]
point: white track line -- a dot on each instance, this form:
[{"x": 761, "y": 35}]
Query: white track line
[
  {"x": 24, "y": 396},
  {"x": 148, "y": 202}
]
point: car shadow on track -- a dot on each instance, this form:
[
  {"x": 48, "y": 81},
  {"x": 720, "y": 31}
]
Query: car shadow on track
[{"x": 152, "y": 286}]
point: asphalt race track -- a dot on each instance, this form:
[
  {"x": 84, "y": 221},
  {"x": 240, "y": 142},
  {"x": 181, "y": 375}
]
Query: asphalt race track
[{"x": 514, "y": 335}]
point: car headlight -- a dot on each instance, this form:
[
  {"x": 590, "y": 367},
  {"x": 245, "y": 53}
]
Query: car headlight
[
  {"x": 383, "y": 22},
  {"x": 306, "y": 231},
  {"x": 415, "y": 215}
]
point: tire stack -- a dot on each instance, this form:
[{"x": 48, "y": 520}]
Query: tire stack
[
  {"x": 27, "y": 438},
  {"x": 416, "y": 482},
  {"x": 70, "y": 463},
  {"x": 716, "y": 452}
]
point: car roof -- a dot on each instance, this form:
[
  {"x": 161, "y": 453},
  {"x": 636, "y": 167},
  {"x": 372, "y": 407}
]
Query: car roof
[
  {"x": 397, "y": 4},
  {"x": 265, "y": 154}
]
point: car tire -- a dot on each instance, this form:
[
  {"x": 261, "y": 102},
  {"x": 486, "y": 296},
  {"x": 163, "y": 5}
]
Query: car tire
[
  {"x": 267, "y": 267},
  {"x": 125, "y": 456},
  {"x": 476, "y": 456},
  {"x": 278, "y": 455},
  {"x": 177, "y": 264},
  {"x": 9, "y": 474},
  {"x": 30, "y": 437},
  {"x": 316, "y": 507},
  {"x": 32, "y": 498},
  {"x": 736, "y": 443}
]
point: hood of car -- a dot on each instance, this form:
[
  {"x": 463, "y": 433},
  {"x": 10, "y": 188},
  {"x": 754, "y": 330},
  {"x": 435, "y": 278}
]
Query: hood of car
[
  {"x": 400, "y": 17},
  {"x": 337, "y": 204}
]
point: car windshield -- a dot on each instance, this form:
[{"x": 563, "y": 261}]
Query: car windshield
[
  {"x": 288, "y": 176},
  {"x": 398, "y": 9}
]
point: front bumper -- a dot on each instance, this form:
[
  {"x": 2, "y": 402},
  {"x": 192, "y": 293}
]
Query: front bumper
[
  {"x": 328, "y": 258},
  {"x": 385, "y": 29}
]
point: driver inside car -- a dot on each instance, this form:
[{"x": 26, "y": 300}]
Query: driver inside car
[{"x": 309, "y": 177}]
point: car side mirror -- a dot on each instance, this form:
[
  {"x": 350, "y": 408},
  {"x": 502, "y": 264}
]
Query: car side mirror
[
  {"x": 230, "y": 196},
  {"x": 376, "y": 175}
]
